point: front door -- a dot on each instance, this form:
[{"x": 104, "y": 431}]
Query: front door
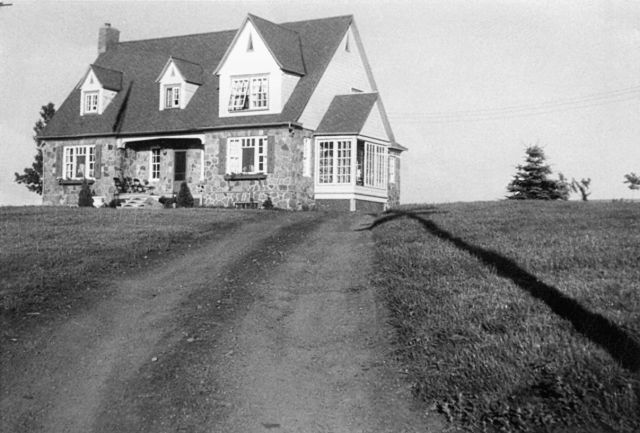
[{"x": 179, "y": 169}]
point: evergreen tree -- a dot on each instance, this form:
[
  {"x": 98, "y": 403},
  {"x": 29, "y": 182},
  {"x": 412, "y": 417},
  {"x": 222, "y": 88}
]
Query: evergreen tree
[
  {"x": 85, "y": 198},
  {"x": 532, "y": 182},
  {"x": 184, "y": 198},
  {"x": 32, "y": 177}
]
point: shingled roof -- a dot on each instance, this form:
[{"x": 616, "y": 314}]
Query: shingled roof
[
  {"x": 134, "y": 110},
  {"x": 191, "y": 71},
  {"x": 347, "y": 114},
  {"x": 109, "y": 78},
  {"x": 283, "y": 43}
]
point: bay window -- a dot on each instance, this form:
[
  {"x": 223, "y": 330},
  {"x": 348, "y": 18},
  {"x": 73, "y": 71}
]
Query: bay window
[
  {"x": 79, "y": 162},
  {"x": 334, "y": 161}
]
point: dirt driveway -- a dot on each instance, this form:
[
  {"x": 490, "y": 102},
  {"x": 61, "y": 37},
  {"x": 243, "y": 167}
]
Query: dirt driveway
[{"x": 271, "y": 327}]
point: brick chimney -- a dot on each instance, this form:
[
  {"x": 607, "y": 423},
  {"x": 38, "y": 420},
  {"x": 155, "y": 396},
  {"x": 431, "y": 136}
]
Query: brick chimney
[{"x": 107, "y": 38}]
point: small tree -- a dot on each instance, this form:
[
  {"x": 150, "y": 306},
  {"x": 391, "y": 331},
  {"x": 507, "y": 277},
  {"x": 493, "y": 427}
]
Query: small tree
[
  {"x": 85, "y": 198},
  {"x": 531, "y": 182},
  {"x": 633, "y": 180},
  {"x": 32, "y": 176},
  {"x": 184, "y": 198},
  {"x": 583, "y": 187}
]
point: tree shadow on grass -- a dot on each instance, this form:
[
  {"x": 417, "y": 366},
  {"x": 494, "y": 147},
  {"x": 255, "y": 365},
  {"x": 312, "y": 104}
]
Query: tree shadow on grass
[{"x": 600, "y": 330}]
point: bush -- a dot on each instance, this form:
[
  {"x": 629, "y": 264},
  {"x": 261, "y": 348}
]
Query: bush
[
  {"x": 85, "y": 198},
  {"x": 167, "y": 202},
  {"x": 267, "y": 204},
  {"x": 184, "y": 198}
]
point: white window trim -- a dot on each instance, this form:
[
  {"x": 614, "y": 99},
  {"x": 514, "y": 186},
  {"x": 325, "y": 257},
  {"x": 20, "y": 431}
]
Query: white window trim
[
  {"x": 85, "y": 106},
  {"x": 392, "y": 168},
  {"x": 70, "y": 162},
  {"x": 335, "y": 159},
  {"x": 235, "y": 164},
  {"x": 151, "y": 164},
  {"x": 169, "y": 103},
  {"x": 248, "y": 96}
]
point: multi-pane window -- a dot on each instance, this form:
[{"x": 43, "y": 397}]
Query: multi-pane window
[
  {"x": 172, "y": 97},
  {"x": 155, "y": 164},
  {"x": 375, "y": 168},
  {"x": 334, "y": 161},
  {"x": 91, "y": 102},
  {"x": 247, "y": 155},
  {"x": 251, "y": 93},
  {"x": 79, "y": 162}
]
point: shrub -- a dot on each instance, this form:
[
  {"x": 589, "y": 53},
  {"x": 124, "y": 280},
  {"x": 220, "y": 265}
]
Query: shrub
[
  {"x": 184, "y": 198},
  {"x": 267, "y": 204},
  {"x": 85, "y": 198},
  {"x": 167, "y": 202}
]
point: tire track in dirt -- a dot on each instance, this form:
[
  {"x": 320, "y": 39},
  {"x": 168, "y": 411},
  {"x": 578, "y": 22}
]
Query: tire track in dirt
[
  {"x": 85, "y": 363},
  {"x": 309, "y": 355}
]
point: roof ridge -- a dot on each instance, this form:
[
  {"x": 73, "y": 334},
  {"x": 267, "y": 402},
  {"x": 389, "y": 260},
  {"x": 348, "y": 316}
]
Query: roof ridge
[
  {"x": 133, "y": 41},
  {"x": 272, "y": 23},
  {"x": 350, "y": 16},
  {"x": 185, "y": 60},
  {"x": 93, "y": 65}
]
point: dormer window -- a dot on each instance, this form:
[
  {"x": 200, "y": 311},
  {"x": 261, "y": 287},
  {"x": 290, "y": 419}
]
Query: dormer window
[
  {"x": 177, "y": 83},
  {"x": 172, "y": 97},
  {"x": 98, "y": 88},
  {"x": 249, "y": 93},
  {"x": 91, "y": 102}
]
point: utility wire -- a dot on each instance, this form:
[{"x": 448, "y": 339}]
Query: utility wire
[{"x": 525, "y": 110}]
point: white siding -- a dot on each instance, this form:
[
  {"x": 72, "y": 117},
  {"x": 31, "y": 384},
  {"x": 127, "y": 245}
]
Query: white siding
[
  {"x": 240, "y": 62},
  {"x": 107, "y": 97},
  {"x": 374, "y": 127},
  {"x": 345, "y": 71},
  {"x": 289, "y": 83},
  {"x": 188, "y": 90}
]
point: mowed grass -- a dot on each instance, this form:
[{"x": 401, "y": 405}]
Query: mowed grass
[
  {"x": 55, "y": 259},
  {"x": 479, "y": 346}
]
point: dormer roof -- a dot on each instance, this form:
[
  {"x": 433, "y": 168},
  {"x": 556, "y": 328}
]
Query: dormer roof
[
  {"x": 109, "y": 78},
  {"x": 191, "y": 72}
]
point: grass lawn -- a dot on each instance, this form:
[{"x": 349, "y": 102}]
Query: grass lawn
[
  {"x": 55, "y": 259},
  {"x": 518, "y": 316}
]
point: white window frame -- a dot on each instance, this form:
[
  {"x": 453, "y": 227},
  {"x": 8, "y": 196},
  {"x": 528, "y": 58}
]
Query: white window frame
[
  {"x": 91, "y": 102},
  {"x": 154, "y": 164},
  {"x": 172, "y": 96},
  {"x": 306, "y": 157},
  {"x": 393, "y": 161},
  {"x": 375, "y": 164},
  {"x": 235, "y": 162},
  {"x": 336, "y": 167},
  {"x": 71, "y": 158},
  {"x": 248, "y": 93}
]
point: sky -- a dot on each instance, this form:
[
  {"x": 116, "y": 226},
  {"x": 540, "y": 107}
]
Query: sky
[{"x": 467, "y": 85}]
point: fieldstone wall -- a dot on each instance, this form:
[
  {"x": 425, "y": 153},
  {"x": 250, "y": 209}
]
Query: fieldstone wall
[
  {"x": 57, "y": 191},
  {"x": 285, "y": 185}
]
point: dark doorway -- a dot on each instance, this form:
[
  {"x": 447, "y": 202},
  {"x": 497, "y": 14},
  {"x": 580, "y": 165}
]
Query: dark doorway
[{"x": 180, "y": 168}]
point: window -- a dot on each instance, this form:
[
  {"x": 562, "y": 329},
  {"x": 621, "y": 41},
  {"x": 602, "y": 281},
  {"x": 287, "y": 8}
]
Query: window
[
  {"x": 91, "y": 102},
  {"x": 375, "y": 173},
  {"x": 172, "y": 97},
  {"x": 79, "y": 162},
  {"x": 306, "y": 157},
  {"x": 334, "y": 162},
  {"x": 250, "y": 93},
  {"x": 392, "y": 169},
  {"x": 155, "y": 164},
  {"x": 247, "y": 155}
]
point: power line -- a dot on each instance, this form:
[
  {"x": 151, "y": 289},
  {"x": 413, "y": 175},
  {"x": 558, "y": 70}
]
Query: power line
[{"x": 524, "y": 110}]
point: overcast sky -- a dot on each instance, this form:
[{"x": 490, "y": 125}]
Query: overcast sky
[{"x": 467, "y": 85}]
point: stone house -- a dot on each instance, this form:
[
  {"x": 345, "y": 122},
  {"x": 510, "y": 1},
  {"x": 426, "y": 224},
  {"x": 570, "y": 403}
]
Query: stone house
[{"x": 286, "y": 111}]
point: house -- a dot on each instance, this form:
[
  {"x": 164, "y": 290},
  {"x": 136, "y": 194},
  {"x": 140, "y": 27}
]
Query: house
[{"x": 287, "y": 111}]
